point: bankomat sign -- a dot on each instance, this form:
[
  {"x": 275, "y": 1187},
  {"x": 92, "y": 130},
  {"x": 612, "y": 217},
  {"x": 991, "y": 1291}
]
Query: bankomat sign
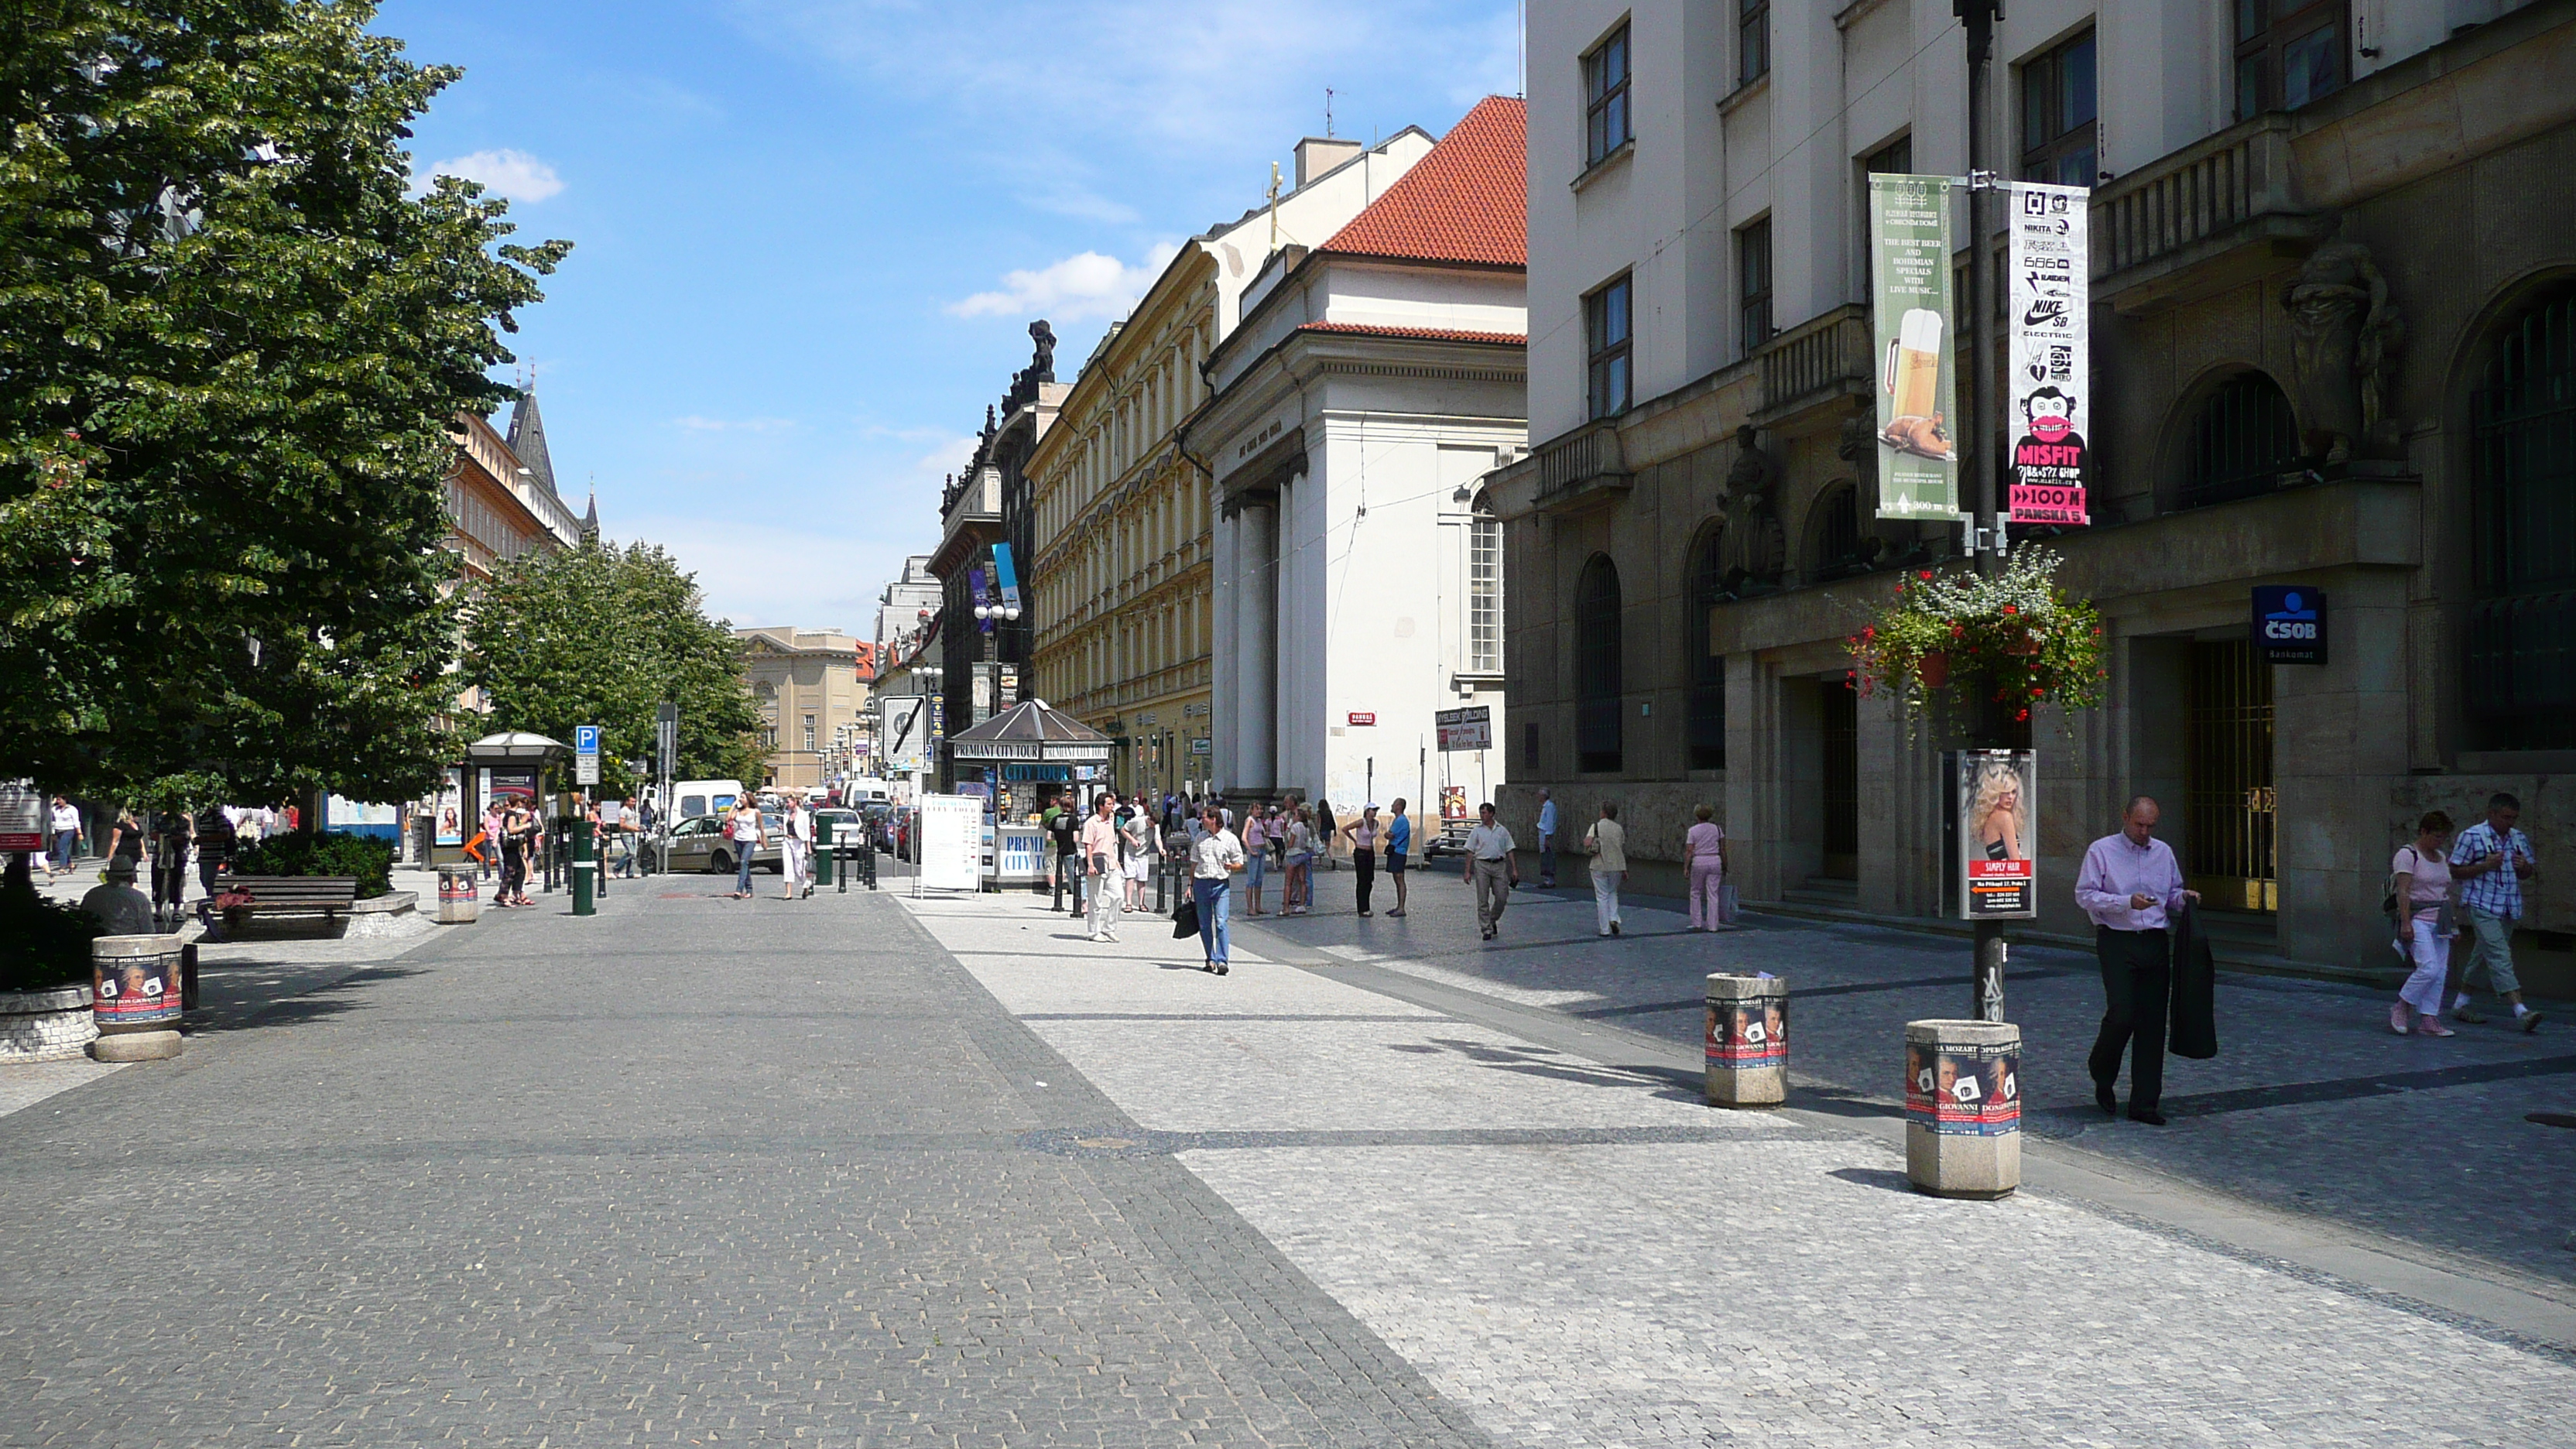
[{"x": 2290, "y": 624}]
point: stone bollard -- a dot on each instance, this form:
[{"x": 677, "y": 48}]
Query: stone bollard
[
  {"x": 1748, "y": 1040},
  {"x": 460, "y": 901},
  {"x": 134, "y": 986},
  {"x": 1963, "y": 1107}
]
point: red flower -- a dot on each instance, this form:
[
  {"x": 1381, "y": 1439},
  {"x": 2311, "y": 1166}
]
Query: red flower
[
  {"x": 1925, "y": 574},
  {"x": 2021, "y": 715},
  {"x": 1869, "y": 631},
  {"x": 1958, "y": 631},
  {"x": 2036, "y": 691},
  {"x": 2010, "y": 609}
]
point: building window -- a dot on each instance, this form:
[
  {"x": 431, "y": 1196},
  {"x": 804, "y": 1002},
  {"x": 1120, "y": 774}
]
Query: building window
[
  {"x": 1597, "y": 718},
  {"x": 1752, "y": 40},
  {"x": 2242, "y": 441},
  {"x": 2059, "y": 138},
  {"x": 809, "y": 734},
  {"x": 1753, "y": 283},
  {"x": 1835, "y": 550},
  {"x": 2521, "y": 682},
  {"x": 1706, "y": 669},
  {"x": 2288, "y": 53},
  {"x": 1605, "y": 98},
  {"x": 1484, "y": 591},
  {"x": 1605, "y": 325}
]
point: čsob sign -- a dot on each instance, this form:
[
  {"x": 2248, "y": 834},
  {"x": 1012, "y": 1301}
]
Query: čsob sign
[{"x": 2290, "y": 624}]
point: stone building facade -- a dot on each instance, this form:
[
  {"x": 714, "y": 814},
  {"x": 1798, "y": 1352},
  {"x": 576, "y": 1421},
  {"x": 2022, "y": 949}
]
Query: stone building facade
[
  {"x": 2334, "y": 291},
  {"x": 808, "y": 686}
]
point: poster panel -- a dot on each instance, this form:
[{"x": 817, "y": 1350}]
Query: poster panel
[
  {"x": 1749, "y": 1033},
  {"x": 1912, "y": 316},
  {"x": 2046, "y": 327},
  {"x": 22, "y": 816},
  {"x": 1963, "y": 1090},
  {"x": 952, "y": 843},
  {"x": 451, "y": 809},
  {"x": 1470, "y": 727},
  {"x": 1995, "y": 797}
]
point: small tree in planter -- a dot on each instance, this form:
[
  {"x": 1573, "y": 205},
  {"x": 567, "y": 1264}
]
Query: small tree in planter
[{"x": 2012, "y": 642}]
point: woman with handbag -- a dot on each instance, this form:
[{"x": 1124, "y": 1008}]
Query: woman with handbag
[
  {"x": 1704, "y": 846},
  {"x": 2420, "y": 911}
]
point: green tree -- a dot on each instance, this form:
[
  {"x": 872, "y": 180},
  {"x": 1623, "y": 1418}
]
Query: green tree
[
  {"x": 233, "y": 342},
  {"x": 602, "y": 634}
]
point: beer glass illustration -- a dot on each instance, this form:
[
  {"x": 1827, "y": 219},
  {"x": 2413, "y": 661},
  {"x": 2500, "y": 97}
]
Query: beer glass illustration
[{"x": 1913, "y": 378}]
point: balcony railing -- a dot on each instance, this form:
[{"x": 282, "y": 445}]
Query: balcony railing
[
  {"x": 2188, "y": 207},
  {"x": 1824, "y": 357},
  {"x": 1583, "y": 462}
]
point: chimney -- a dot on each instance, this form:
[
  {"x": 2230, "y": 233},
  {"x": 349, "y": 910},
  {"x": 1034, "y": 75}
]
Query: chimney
[{"x": 1319, "y": 154}]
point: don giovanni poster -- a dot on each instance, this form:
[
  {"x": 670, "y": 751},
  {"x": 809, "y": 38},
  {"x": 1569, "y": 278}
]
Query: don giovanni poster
[
  {"x": 2045, "y": 318},
  {"x": 1909, "y": 263}
]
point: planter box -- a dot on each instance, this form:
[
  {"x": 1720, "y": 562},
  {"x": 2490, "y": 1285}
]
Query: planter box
[{"x": 46, "y": 1026}]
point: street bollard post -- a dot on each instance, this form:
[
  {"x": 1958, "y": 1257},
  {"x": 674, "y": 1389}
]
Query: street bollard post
[
  {"x": 585, "y": 870},
  {"x": 825, "y": 833},
  {"x": 1963, "y": 1108},
  {"x": 1747, "y": 1040}
]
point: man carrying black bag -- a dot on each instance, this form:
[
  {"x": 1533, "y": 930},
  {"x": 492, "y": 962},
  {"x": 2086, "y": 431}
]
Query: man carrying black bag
[{"x": 2194, "y": 1032}]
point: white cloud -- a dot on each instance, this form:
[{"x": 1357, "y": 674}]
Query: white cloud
[
  {"x": 514, "y": 174},
  {"x": 695, "y": 424},
  {"x": 1081, "y": 287}
]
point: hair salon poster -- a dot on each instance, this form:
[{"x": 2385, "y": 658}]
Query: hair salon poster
[
  {"x": 1992, "y": 838},
  {"x": 1909, "y": 263},
  {"x": 2045, "y": 319}
]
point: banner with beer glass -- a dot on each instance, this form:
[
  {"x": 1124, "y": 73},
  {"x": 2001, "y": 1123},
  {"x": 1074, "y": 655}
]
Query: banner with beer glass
[
  {"x": 1909, "y": 263},
  {"x": 2048, "y": 383}
]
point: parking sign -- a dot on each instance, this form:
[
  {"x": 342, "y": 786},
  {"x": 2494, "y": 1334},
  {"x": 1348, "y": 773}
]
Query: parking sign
[{"x": 585, "y": 754}]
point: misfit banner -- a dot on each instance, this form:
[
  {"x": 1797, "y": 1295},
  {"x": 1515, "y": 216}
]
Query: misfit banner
[
  {"x": 2046, "y": 320},
  {"x": 1909, "y": 264}
]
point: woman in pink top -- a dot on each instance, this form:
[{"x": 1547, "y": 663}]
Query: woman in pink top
[
  {"x": 2422, "y": 873},
  {"x": 1704, "y": 847}
]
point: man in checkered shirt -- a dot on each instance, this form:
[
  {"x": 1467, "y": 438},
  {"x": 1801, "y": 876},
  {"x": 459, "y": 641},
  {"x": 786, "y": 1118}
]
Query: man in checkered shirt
[{"x": 2490, "y": 861}]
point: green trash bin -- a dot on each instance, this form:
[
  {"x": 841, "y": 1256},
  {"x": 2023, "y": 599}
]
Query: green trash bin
[{"x": 823, "y": 831}]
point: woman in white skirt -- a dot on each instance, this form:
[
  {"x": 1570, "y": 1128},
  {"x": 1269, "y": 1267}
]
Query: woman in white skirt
[
  {"x": 2420, "y": 874},
  {"x": 1138, "y": 830}
]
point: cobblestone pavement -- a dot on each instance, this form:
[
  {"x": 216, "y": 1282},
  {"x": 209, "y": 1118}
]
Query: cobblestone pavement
[
  {"x": 696, "y": 1171},
  {"x": 2311, "y": 1105},
  {"x": 1584, "y": 1255}
]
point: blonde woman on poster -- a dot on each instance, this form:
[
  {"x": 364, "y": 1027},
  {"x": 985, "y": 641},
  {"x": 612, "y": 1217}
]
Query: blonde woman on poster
[{"x": 2002, "y": 816}]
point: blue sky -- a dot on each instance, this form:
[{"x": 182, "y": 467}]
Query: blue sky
[{"x": 810, "y": 234}]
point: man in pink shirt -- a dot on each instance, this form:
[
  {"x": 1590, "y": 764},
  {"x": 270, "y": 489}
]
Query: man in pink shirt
[
  {"x": 1098, "y": 847},
  {"x": 2130, "y": 881}
]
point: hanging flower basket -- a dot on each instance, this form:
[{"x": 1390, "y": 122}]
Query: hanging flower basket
[{"x": 1955, "y": 637}]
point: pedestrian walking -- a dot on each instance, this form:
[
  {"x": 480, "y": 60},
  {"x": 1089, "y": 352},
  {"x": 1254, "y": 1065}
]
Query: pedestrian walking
[
  {"x": 1063, "y": 827},
  {"x": 1399, "y": 849},
  {"x": 2129, "y": 884},
  {"x": 1143, "y": 849},
  {"x": 1297, "y": 892},
  {"x": 174, "y": 835},
  {"x": 1101, "y": 848},
  {"x": 1256, "y": 857},
  {"x": 214, "y": 846},
  {"x": 1491, "y": 869},
  {"x": 630, "y": 829},
  {"x": 62, "y": 825},
  {"x": 796, "y": 849},
  {"x": 492, "y": 813},
  {"x": 1214, "y": 858},
  {"x": 743, "y": 828},
  {"x": 1363, "y": 835},
  {"x": 1546, "y": 839},
  {"x": 1326, "y": 834},
  {"x": 518, "y": 837},
  {"x": 2491, "y": 860},
  {"x": 1704, "y": 851},
  {"x": 125, "y": 840},
  {"x": 1607, "y": 841},
  {"x": 2419, "y": 880}
]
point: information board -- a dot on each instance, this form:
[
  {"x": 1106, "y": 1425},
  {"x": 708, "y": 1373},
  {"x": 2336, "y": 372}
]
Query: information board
[
  {"x": 1468, "y": 728},
  {"x": 22, "y": 816},
  {"x": 952, "y": 843},
  {"x": 1992, "y": 833}
]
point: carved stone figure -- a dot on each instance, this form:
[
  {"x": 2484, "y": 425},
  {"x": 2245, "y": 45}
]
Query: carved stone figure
[
  {"x": 1753, "y": 550},
  {"x": 2348, "y": 335},
  {"x": 1042, "y": 365}
]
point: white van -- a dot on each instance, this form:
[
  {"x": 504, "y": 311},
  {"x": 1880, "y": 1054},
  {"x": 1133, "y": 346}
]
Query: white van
[
  {"x": 862, "y": 789},
  {"x": 693, "y": 798}
]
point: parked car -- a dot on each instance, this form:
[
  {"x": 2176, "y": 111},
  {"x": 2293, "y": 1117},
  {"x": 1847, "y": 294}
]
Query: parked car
[
  {"x": 699, "y": 843},
  {"x": 829, "y": 820}
]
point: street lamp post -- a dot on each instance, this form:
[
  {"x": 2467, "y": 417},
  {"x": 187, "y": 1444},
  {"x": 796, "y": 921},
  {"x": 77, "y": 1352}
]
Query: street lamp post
[{"x": 1987, "y": 987}]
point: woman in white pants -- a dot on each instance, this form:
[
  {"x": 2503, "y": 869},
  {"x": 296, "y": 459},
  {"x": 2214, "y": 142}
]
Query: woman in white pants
[
  {"x": 796, "y": 852},
  {"x": 2421, "y": 873}
]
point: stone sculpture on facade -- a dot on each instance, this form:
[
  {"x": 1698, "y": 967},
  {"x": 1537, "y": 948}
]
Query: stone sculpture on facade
[
  {"x": 2347, "y": 337},
  {"x": 1753, "y": 550}
]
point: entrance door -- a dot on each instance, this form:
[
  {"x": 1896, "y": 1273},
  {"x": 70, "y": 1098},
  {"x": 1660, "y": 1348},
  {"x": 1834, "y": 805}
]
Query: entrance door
[
  {"x": 1840, "y": 710},
  {"x": 2229, "y": 841}
]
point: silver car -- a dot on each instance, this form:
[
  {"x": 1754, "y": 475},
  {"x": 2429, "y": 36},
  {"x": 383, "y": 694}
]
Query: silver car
[{"x": 699, "y": 843}]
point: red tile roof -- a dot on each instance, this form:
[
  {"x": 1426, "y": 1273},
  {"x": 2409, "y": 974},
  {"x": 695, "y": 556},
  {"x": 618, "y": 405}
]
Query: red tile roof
[
  {"x": 1432, "y": 334},
  {"x": 1466, "y": 201}
]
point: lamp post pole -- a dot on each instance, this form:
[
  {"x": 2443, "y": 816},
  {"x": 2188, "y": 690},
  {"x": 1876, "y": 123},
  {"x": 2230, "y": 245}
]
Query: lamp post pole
[{"x": 1979, "y": 18}]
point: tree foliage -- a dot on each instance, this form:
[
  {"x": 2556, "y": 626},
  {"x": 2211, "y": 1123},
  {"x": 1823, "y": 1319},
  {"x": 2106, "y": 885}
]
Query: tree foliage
[
  {"x": 602, "y": 634},
  {"x": 233, "y": 341}
]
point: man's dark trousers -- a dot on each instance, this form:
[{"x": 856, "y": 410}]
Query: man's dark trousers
[{"x": 2137, "y": 983}]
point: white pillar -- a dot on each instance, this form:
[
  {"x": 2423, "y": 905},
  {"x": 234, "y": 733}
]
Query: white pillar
[
  {"x": 1257, "y": 626},
  {"x": 1225, "y": 705}
]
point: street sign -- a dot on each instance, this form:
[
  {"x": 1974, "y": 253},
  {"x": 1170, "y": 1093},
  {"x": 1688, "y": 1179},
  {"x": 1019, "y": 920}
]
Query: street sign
[
  {"x": 1467, "y": 728},
  {"x": 585, "y": 754},
  {"x": 2290, "y": 624},
  {"x": 22, "y": 816},
  {"x": 1363, "y": 717},
  {"x": 901, "y": 729}
]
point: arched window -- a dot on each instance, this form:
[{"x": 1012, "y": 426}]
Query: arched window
[
  {"x": 1596, "y": 666},
  {"x": 2521, "y": 682},
  {"x": 2242, "y": 440},
  {"x": 1704, "y": 576},
  {"x": 1834, "y": 537}
]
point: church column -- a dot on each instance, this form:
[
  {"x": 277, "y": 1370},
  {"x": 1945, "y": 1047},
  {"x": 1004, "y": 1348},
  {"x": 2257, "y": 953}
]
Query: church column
[
  {"x": 1225, "y": 706},
  {"x": 1257, "y": 623}
]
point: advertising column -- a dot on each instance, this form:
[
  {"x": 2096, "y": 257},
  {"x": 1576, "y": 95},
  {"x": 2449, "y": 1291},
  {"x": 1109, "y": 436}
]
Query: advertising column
[
  {"x": 2049, "y": 383},
  {"x": 1909, "y": 264}
]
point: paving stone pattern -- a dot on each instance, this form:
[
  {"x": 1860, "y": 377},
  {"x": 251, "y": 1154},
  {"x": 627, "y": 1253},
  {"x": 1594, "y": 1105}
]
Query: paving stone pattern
[
  {"x": 694, "y": 1171},
  {"x": 1761, "y": 1285}
]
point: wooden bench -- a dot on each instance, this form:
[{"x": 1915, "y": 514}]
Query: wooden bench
[{"x": 296, "y": 895}]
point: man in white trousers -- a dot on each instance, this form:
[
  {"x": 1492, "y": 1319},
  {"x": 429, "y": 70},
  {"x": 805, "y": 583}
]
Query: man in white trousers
[
  {"x": 1099, "y": 849},
  {"x": 1608, "y": 842}
]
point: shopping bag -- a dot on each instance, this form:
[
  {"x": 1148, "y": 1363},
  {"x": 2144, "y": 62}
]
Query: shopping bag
[
  {"x": 1185, "y": 920},
  {"x": 1727, "y": 907},
  {"x": 2194, "y": 1032}
]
